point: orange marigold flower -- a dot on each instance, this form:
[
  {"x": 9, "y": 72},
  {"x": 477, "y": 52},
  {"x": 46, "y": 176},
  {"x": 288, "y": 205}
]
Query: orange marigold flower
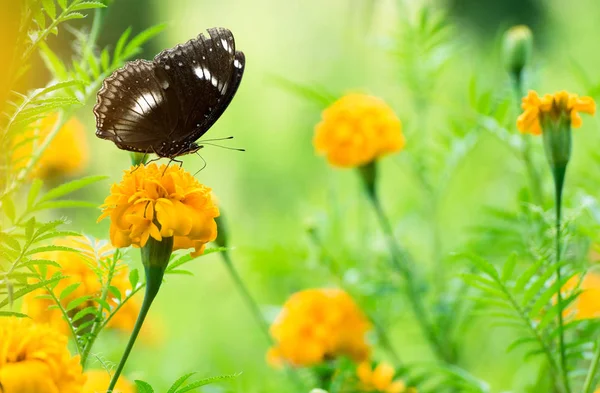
[
  {"x": 358, "y": 129},
  {"x": 318, "y": 324},
  {"x": 35, "y": 358},
  {"x": 157, "y": 202},
  {"x": 587, "y": 304},
  {"x": 380, "y": 379},
  {"x": 98, "y": 381},
  {"x": 552, "y": 106},
  {"x": 83, "y": 267},
  {"x": 54, "y": 161}
]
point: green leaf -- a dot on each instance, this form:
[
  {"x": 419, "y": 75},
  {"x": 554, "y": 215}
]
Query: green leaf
[
  {"x": 40, "y": 249},
  {"x": 116, "y": 292},
  {"x": 30, "y": 228},
  {"x": 50, "y": 8},
  {"x": 76, "y": 303},
  {"x": 143, "y": 387},
  {"x": 84, "y": 312},
  {"x": 509, "y": 267},
  {"x": 30, "y": 288},
  {"x": 13, "y": 314},
  {"x": 87, "y": 5},
  {"x": 8, "y": 206},
  {"x": 34, "y": 191},
  {"x": 56, "y": 234},
  {"x": 119, "y": 47},
  {"x": 39, "y": 18},
  {"x": 72, "y": 15},
  {"x": 57, "y": 86},
  {"x": 69, "y": 290},
  {"x": 141, "y": 38},
  {"x": 206, "y": 381},
  {"x": 10, "y": 241},
  {"x": 62, "y": 4},
  {"x": 134, "y": 278},
  {"x": 53, "y": 63},
  {"x": 105, "y": 59},
  {"x": 70, "y": 187},
  {"x": 63, "y": 204},
  {"x": 179, "y": 382}
]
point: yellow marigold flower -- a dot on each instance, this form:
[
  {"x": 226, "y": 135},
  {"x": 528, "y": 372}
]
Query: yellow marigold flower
[
  {"x": 157, "y": 202},
  {"x": 318, "y": 324},
  {"x": 552, "y": 106},
  {"x": 66, "y": 155},
  {"x": 587, "y": 305},
  {"x": 82, "y": 267},
  {"x": 380, "y": 379},
  {"x": 35, "y": 359},
  {"x": 358, "y": 129},
  {"x": 98, "y": 381}
]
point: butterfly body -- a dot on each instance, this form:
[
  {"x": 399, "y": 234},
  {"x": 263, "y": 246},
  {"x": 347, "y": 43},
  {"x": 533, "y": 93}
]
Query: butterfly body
[{"x": 165, "y": 105}]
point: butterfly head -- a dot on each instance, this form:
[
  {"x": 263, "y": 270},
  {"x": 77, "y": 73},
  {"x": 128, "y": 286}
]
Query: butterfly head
[{"x": 172, "y": 150}]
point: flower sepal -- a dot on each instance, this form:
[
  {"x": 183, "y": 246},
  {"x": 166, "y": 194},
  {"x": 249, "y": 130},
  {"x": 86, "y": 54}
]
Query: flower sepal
[
  {"x": 155, "y": 258},
  {"x": 557, "y": 140},
  {"x": 368, "y": 175}
]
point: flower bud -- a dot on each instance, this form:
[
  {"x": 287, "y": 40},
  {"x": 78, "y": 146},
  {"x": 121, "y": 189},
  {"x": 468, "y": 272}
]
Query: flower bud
[
  {"x": 517, "y": 47},
  {"x": 222, "y": 239},
  {"x": 138, "y": 158}
]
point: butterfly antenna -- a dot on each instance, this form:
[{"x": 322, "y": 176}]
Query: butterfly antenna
[
  {"x": 204, "y": 166},
  {"x": 216, "y": 139},
  {"x": 223, "y": 147}
]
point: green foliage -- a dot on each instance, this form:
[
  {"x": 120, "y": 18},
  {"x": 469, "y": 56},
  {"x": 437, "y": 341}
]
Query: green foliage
[{"x": 180, "y": 386}]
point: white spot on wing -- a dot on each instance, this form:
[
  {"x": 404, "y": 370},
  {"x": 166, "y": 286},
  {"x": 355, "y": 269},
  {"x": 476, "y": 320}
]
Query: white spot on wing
[
  {"x": 237, "y": 64},
  {"x": 226, "y": 45},
  {"x": 214, "y": 81},
  {"x": 198, "y": 72},
  {"x": 146, "y": 102},
  {"x": 206, "y": 73}
]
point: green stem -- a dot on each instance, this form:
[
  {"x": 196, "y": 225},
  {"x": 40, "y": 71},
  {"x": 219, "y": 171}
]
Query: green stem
[
  {"x": 588, "y": 385},
  {"x": 99, "y": 14},
  {"x": 536, "y": 188},
  {"x": 250, "y": 302},
  {"x": 559, "y": 177},
  {"x": 154, "y": 275}
]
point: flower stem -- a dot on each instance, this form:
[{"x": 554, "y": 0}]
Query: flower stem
[
  {"x": 588, "y": 385},
  {"x": 558, "y": 172},
  {"x": 399, "y": 262},
  {"x": 154, "y": 275},
  {"x": 250, "y": 302}
]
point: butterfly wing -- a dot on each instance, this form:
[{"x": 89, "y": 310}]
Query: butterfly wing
[
  {"x": 205, "y": 74},
  {"x": 165, "y": 105},
  {"x": 132, "y": 109}
]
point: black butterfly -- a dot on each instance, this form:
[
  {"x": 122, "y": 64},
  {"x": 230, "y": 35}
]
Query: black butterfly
[{"x": 163, "y": 106}]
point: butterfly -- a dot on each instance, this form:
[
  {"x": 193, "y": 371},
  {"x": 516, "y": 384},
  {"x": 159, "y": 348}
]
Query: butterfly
[{"x": 165, "y": 105}]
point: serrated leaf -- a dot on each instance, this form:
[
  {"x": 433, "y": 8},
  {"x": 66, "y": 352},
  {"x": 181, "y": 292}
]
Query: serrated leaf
[
  {"x": 70, "y": 187},
  {"x": 179, "y": 382},
  {"x": 56, "y": 234},
  {"x": 30, "y": 288},
  {"x": 84, "y": 312},
  {"x": 10, "y": 241},
  {"x": 69, "y": 290},
  {"x": 53, "y": 63},
  {"x": 50, "y": 8},
  {"x": 66, "y": 204},
  {"x": 103, "y": 303},
  {"x": 180, "y": 272},
  {"x": 206, "y": 381},
  {"x": 141, "y": 38},
  {"x": 40, "y": 249},
  {"x": 509, "y": 267},
  {"x": 62, "y": 3},
  {"x": 8, "y": 207},
  {"x": 143, "y": 387},
  {"x": 57, "y": 86},
  {"x": 105, "y": 59},
  {"x": 40, "y": 262},
  {"x": 39, "y": 18},
  {"x": 72, "y": 15},
  {"x": 30, "y": 228},
  {"x": 115, "y": 291},
  {"x": 87, "y": 5}
]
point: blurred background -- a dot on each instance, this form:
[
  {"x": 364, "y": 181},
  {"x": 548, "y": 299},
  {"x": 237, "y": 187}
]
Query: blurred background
[{"x": 277, "y": 189}]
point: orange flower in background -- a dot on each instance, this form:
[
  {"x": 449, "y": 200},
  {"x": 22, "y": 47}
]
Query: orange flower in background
[
  {"x": 66, "y": 155},
  {"x": 82, "y": 267},
  {"x": 380, "y": 379},
  {"x": 157, "y": 202},
  {"x": 318, "y": 324},
  {"x": 35, "y": 358},
  {"x": 356, "y": 130},
  {"x": 98, "y": 381},
  {"x": 587, "y": 304},
  {"x": 552, "y": 106}
]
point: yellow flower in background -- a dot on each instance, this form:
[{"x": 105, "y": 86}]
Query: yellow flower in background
[
  {"x": 82, "y": 267},
  {"x": 316, "y": 325},
  {"x": 157, "y": 202},
  {"x": 98, "y": 381},
  {"x": 35, "y": 359},
  {"x": 587, "y": 304},
  {"x": 66, "y": 155},
  {"x": 380, "y": 379},
  {"x": 552, "y": 106},
  {"x": 356, "y": 130}
]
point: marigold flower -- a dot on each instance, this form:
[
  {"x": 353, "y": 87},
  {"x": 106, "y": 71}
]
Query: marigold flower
[
  {"x": 356, "y": 130},
  {"x": 35, "y": 358},
  {"x": 160, "y": 202},
  {"x": 552, "y": 107},
  {"x": 380, "y": 379},
  {"x": 318, "y": 324},
  {"x": 98, "y": 381},
  {"x": 587, "y": 304},
  {"x": 53, "y": 162},
  {"x": 82, "y": 267}
]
